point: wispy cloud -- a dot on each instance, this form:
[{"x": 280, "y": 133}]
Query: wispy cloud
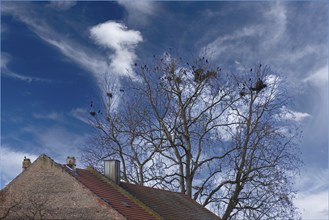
[
  {"x": 49, "y": 116},
  {"x": 287, "y": 114},
  {"x": 143, "y": 6},
  {"x": 318, "y": 78},
  {"x": 80, "y": 114},
  {"x": 62, "y": 4},
  {"x": 56, "y": 141},
  {"x": 312, "y": 198},
  {"x": 138, "y": 12},
  {"x": 5, "y": 71},
  {"x": 92, "y": 62},
  {"x": 315, "y": 90},
  {"x": 228, "y": 42},
  {"x": 312, "y": 179},
  {"x": 86, "y": 59},
  {"x": 264, "y": 33},
  {"x": 277, "y": 21},
  {"x": 268, "y": 38}
]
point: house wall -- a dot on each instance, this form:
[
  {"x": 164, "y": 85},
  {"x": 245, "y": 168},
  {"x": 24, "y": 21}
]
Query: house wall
[{"x": 45, "y": 190}]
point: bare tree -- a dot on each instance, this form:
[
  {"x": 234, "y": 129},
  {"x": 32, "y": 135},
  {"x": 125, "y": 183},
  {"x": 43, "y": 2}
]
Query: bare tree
[
  {"x": 216, "y": 137},
  {"x": 257, "y": 176}
]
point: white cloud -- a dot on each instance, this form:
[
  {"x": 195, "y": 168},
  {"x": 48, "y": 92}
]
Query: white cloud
[
  {"x": 313, "y": 206},
  {"x": 88, "y": 60},
  {"x": 122, "y": 41},
  {"x": 319, "y": 78},
  {"x": 145, "y": 7},
  {"x": 227, "y": 42},
  {"x": 297, "y": 116},
  {"x": 301, "y": 53},
  {"x": 312, "y": 179},
  {"x": 267, "y": 31},
  {"x": 80, "y": 114},
  {"x": 312, "y": 198},
  {"x": 139, "y": 11},
  {"x": 277, "y": 21},
  {"x": 62, "y": 4},
  {"x": 11, "y": 163},
  {"x": 106, "y": 70},
  {"x": 57, "y": 141},
  {"x": 50, "y": 116},
  {"x": 287, "y": 114}
]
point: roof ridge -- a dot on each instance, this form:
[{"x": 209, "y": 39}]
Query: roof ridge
[
  {"x": 150, "y": 187},
  {"x": 124, "y": 192}
]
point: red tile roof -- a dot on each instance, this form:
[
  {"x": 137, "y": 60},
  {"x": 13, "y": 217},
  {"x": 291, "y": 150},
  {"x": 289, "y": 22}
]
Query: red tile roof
[
  {"x": 111, "y": 195},
  {"x": 169, "y": 205},
  {"x": 140, "y": 202}
]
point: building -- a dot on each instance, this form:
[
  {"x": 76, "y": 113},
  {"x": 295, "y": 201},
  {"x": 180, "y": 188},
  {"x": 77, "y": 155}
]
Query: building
[{"x": 49, "y": 190}]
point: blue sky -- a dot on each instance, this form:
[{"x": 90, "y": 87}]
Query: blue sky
[{"x": 55, "y": 57}]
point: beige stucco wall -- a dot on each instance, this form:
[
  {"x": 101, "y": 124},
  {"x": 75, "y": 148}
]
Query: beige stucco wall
[{"x": 46, "y": 191}]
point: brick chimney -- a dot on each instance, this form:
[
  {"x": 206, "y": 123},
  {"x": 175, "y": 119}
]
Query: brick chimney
[
  {"x": 112, "y": 170},
  {"x": 26, "y": 163},
  {"x": 70, "y": 162}
]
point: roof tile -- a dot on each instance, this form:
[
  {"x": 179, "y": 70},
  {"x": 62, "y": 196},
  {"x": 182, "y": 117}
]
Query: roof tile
[
  {"x": 170, "y": 205},
  {"x": 140, "y": 202},
  {"x": 110, "y": 195}
]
